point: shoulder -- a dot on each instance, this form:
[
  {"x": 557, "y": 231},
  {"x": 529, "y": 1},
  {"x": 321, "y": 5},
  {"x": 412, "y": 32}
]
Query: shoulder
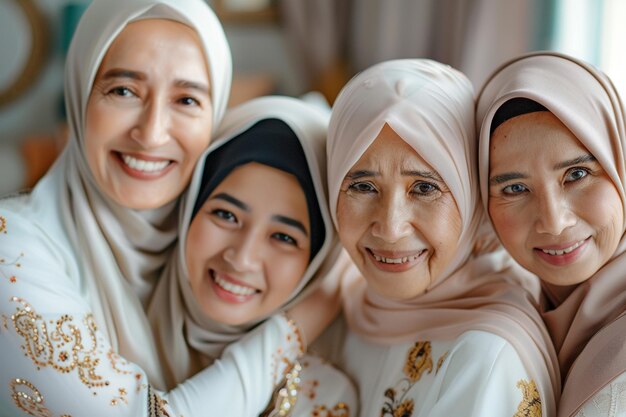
[{"x": 607, "y": 402}]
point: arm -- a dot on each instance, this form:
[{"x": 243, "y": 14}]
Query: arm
[{"x": 55, "y": 361}]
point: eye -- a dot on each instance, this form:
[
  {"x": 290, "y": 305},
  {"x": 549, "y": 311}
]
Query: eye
[
  {"x": 121, "y": 92},
  {"x": 225, "y": 215},
  {"x": 424, "y": 188},
  {"x": 285, "y": 238},
  {"x": 189, "y": 101},
  {"x": 576, "y": 174},
  {"x": 362, "y": 187},
  {"x": 514, "y": 189}
]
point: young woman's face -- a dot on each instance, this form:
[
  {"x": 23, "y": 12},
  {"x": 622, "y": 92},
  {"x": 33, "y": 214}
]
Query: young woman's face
[
  {"x": 149, "y": 114},
  {"x": 397, "y": 218},
  {"x": 248, "y": 246},
  {"x": 553, "y": 206}
]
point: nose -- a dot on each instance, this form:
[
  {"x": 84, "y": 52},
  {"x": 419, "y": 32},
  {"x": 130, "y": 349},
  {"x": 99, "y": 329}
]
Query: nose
[
  {"x": 392, "y": 218},
  {"x": 243, "y": 255},
  {"x": 151, "y": 129},
  {"x": 553, "y": 213}
]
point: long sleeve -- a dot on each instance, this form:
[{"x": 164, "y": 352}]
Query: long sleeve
[{"x": 55, "y": 361}]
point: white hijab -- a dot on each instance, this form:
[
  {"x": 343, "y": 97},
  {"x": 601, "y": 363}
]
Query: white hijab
[
  {"x": 187, "y": 339},
  {"x": 120, "y": 252}
]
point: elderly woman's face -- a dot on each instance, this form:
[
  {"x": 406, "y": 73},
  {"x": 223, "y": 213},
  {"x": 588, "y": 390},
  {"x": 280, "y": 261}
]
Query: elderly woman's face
[
  {"x": 149, "y": 114},
  {"x": 397, "y": 218},
  {"x": 248, "y": 246},
  {"x": 552, "y": 204}
]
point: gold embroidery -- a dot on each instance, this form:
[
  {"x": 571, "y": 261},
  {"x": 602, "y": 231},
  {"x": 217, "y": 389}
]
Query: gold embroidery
[
  {"x": 156, "y": 405},
  {"x": 530, "y": 406},
  {"x": 28, "y": 398},
  {"x": 122, "y": 398},
  {"x": 339, "y": 410},
  {"x": 441, "y": 360},
  {"x": 418, "y": 362},
  {"x": 284, "y": 399},
  {"x": 16, "y": 262},
  {"x": 299, "y": 337},
  {"x": 3, "y": 225},
  {"x": 62, "y": 348}
]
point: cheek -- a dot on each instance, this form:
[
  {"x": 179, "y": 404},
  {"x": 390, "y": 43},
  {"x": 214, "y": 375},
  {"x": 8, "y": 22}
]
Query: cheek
[
  {"x": 350, "y": 220},
  {"x": 508, "y": 224},
  {"x": 285, "y": 275},
  {"x": 441, "y": 225},
  {"x": 604, "y": 210}
]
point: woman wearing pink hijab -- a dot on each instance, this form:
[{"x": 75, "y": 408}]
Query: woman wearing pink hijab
[
  {"x": 439, "y": 321},
  {"x": 553, "y": 179}
]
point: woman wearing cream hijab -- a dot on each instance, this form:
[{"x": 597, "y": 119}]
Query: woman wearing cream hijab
[
  {"x": 255, "y": 238},
  {"x": 439, "y": 317},
  {"x": 552, "y": 176},
  {"x": 79, "y": 255}
]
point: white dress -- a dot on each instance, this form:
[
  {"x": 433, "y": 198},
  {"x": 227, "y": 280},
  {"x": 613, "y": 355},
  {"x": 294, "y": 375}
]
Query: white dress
[
  {"x": 477, "y": 375},
  {"x": 609, "y": 402},
  {"x": 56, "y": 362}
]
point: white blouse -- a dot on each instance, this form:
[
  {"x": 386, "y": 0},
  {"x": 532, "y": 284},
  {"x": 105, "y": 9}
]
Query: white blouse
[
  {"x": 56, "y": 362},
  {"x": 609, "y": 402},
  {"x": 477, "y": 375}
]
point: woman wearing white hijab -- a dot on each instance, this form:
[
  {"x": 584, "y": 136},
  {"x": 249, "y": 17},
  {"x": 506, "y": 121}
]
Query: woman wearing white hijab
[
  {"x": 229, "y": 273},
  {"x": 445, "y": 327},
  {"x": 553, "y": 179},
  {"x": 81, "y": 253}
]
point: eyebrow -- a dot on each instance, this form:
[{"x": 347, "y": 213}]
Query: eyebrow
[
  {"x": 290, "y": 222},
  {"x": 502, "y": 178},
  {"x": 580, "y": 160},
  {"x": 140, "y": 76},
  {"x": 232, "y": 200},
  {"x": 193, "y": 85},
  {"x": 426, "y": 174},
  {"x": 407, "y": 173},
  {"x": 122, "y": 73}
]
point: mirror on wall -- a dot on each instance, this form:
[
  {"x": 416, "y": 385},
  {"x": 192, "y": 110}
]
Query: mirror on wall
[{"x": 23, "y": 47}]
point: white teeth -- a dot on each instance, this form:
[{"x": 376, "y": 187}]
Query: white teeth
[
  {"x": 395, "y": 260},
  {"x": 144, "y": 166},
  {"x": 233, "y": 288},
  {"x": 555, "y": 252}
]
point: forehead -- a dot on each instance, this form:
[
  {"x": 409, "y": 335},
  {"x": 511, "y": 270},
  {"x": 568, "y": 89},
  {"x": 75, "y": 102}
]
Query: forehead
[
  {"x": 531, "y": 136},
  {"x": 390, "y": 150},
  {"x": 140, "y": 40}
]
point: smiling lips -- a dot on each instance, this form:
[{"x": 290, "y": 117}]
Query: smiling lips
[
  {"x": 229, "y": 290},
  {"x": 144, "y": 167},
  {"x": 564, "y": 255},
  {"x": 395, "y": 261}
]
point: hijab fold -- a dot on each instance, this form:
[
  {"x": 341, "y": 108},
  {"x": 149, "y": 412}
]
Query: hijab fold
[
  {"x": 431, "y": 107},
  {"x": 586, "y": 322},
  {"x": 121, "y": 252},
  {"x": 187, "y": 339}
]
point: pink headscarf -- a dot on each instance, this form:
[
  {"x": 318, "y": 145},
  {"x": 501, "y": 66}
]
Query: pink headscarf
[
  {"x": 587, "y": 326},
  {"x": 431, "y": 106}
]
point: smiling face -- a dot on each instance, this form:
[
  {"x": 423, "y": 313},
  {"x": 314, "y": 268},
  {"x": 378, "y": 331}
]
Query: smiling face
[
  {"x": 148, "y": 117},
  {"x": 248, "y": 246},
  {"x": 397, "y": 219},
  {"x": 552, "y": 204}
]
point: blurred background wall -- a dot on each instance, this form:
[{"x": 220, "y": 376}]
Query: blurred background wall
[{"x": 295, "y": 46}]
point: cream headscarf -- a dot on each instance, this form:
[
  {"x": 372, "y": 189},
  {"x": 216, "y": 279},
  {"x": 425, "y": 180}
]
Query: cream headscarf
[
  {"x": 431, "y": 106},
  {"x": 121, "y": 252},
  {"x": 588, "y": 326},
  {"x": 187, "y": 339}
]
